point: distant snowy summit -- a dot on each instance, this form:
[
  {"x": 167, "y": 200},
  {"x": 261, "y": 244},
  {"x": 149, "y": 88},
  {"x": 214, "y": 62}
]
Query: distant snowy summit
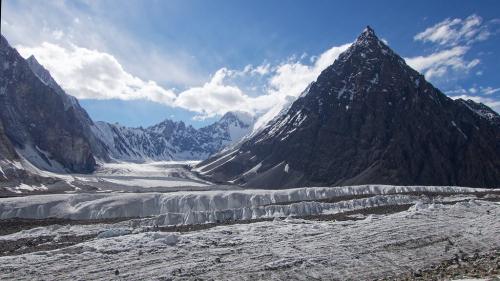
[
  {"x": 170, "y": 140},
  {"x": 369, "y": 118}
]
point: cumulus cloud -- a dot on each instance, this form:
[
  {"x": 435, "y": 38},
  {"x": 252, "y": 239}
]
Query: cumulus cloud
[
  {"x": 214, "y": 97},
  {"x": 290, "y": 79},
  {"x": 90, "y": 74},
  {"x": 283, "y": 83},
  {"x": 443, "y": 62},
  {"x": 455, "y": 31}
]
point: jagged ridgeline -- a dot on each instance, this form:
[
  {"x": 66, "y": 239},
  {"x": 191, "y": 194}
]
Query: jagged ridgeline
[
  {"x": 369, "y": 118},
  {"x": 42, "y": 125}
]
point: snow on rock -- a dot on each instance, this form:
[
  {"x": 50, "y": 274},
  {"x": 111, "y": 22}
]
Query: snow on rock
[
  {"x": 211, "y": 206},
  {"x": 170, "y": 140}
]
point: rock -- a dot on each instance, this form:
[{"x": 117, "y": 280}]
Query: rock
[
  {"x": 368, "y": 119},
  {"x": 36, "y": 120}
]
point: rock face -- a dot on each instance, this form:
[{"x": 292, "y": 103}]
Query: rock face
[
  {"x": 71, "y": 104},
  {"x": 7, "y": 156},
  {"x": 43, "y": 123},
  {"x": 368, "y": 119},
  {"x": 171, "y": 140}
]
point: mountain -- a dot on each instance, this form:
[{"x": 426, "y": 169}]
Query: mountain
[
  {"x": 482, "y": 110},
  {"x": 369, "y": 118},
  {"x": 171, "y": 140},
  {"x": 43, "y": 124},
  {"x": 7, "y": 156},
  {"x": 85, "y": 123}
]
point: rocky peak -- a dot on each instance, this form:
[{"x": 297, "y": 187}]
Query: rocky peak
[
  {"x": 240, "y": 118},
  {"x": 368, "y": 34},
  {"x": 40, "y": 71},
  {"x": 37, "y": 121},
  {"x": 367, "y": 67},
  {"x": 368, "y": 118},
  {"x": 482, "y": 110}
]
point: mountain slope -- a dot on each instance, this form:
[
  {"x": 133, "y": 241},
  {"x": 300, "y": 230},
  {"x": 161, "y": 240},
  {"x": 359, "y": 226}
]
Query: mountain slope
[
  {"x": 71, "y": 104},
  {"x": 171, "y": 140},
  {"x": 368, "y": 119},
  {"x": 37, "y": 120}
]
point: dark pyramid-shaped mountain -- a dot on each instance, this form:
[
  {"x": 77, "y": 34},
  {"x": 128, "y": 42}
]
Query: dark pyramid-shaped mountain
[{"x": 368, "y": 119}]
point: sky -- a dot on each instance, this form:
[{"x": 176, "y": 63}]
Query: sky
[{"x": 138, "y": 62}]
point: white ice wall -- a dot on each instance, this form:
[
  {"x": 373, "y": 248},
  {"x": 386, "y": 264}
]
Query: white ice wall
[{"x": 210, "y": 206}]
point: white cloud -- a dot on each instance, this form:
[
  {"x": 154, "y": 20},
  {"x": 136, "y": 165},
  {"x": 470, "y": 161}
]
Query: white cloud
[
  {"x": 58, "y": 34},
  {"x": 96, "y": 25},
  {"x": 290, "y": 79},
  {"x": 452, "y": 39},
  {"x": 455, "y": 31},
  {"x": 214, "y": 97},
  {"x": 90, "y": 74},
  {"x": 284, "y": 83},
  {"x": 489, "y": 90},
  {"x": 443, "y": 62},
  {"x": 474, "y": 90}
]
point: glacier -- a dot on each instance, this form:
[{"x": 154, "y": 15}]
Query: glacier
[
  {"x": 198, "y": 207},
  {"x": 379, "y": 246}
]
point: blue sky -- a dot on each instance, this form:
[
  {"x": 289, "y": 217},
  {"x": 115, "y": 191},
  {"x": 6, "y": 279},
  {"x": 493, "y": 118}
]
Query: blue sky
[{"x": 139, "y": 62}]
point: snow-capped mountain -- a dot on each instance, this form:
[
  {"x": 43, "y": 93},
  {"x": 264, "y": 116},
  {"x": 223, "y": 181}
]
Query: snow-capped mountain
[
  {"x": 44, "y": 125},
  {"x": 482, "y": 110},
  {"x": 171, "y": 140},
  {"x": 368, "y": 119}
]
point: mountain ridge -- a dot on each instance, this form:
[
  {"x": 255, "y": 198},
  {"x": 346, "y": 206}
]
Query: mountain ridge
[
  {"x": 369, "y": 118},
  {"x": 36, "y": 121},
  {"x": 171, "y": 140}
]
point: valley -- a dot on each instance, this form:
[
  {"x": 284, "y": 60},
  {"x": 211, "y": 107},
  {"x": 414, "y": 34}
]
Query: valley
[{"x": 371, "y": 173}]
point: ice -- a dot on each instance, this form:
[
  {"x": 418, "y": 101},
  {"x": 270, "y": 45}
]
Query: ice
[
  {"x": 26, "y": 188},
  {"x": 210, "y": 206},
  {"x": 120, "y": 176},
  {"x": 62, "y": 230},
  {"x": 114, "y": 232},
  {"x": 154, "y": 183},
  {"x": 380, "y": 246}
]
